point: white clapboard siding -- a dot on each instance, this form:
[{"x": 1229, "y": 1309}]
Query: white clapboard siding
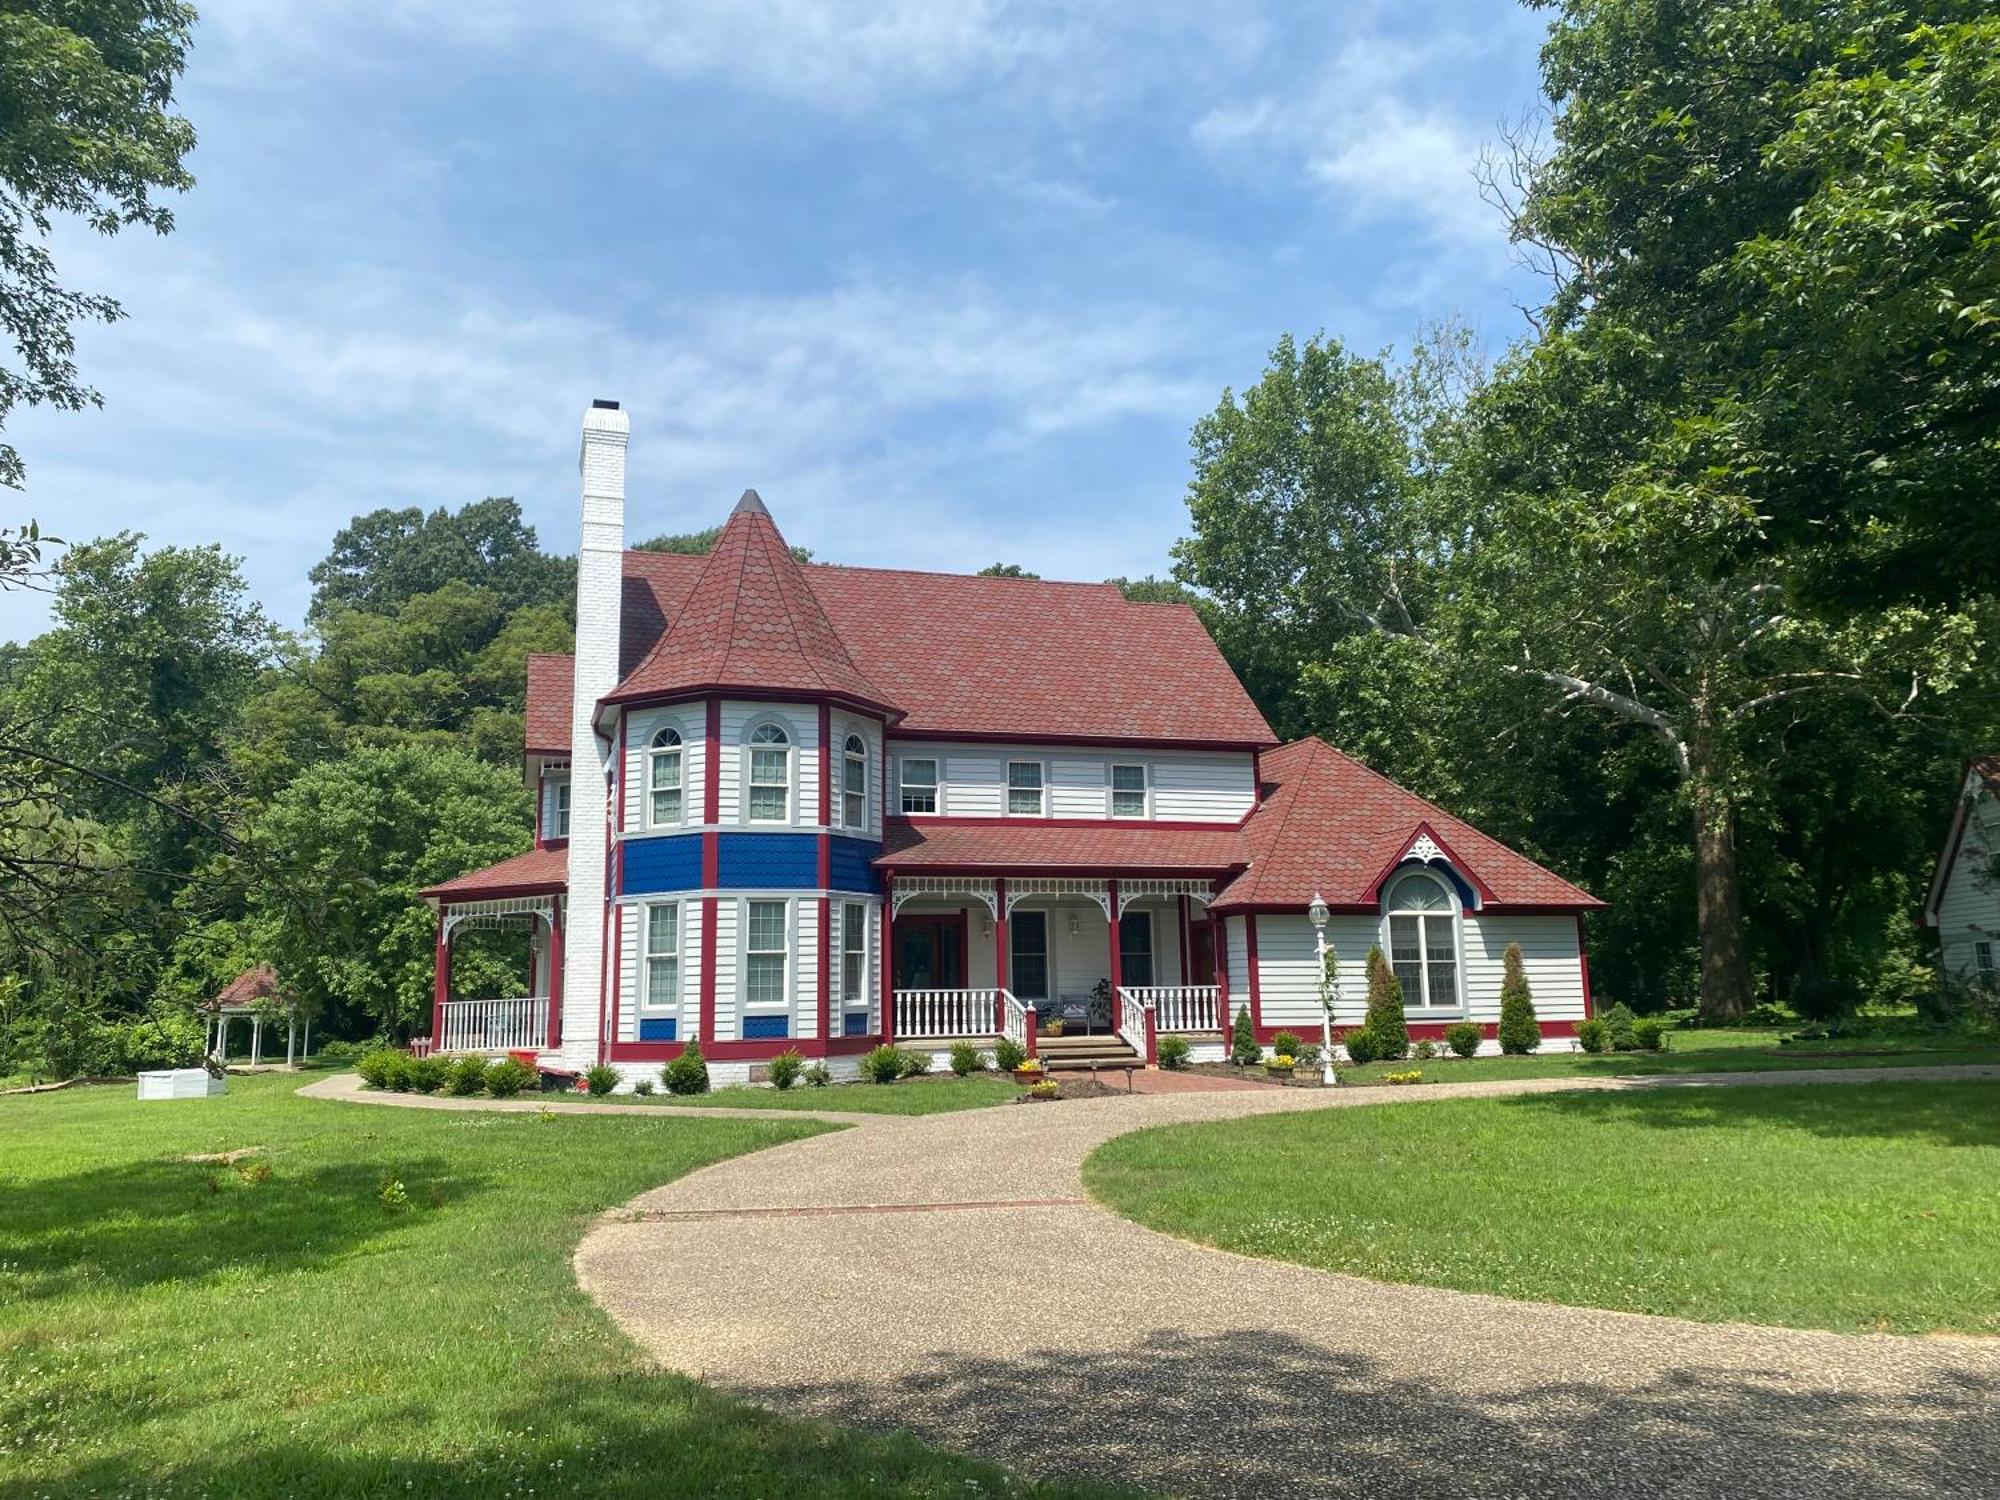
[
  {"x": 871, "y": 736},
  {"x": 1238, "y": 964},
  {"x": 805, "y": 967},
  {"x": 632, "y": 973},
  {"x": 801, "y": 723},
  {"x": 629, "y": 928},
  {"x": 727, "y": 923},
  {"x": 1076, "y": 787},
  {"x": 546, "y": 822},
  {"x": 1218, "y": 787},
  {"x": 1969, "y": 904},
  {"x": 1548, "y": 955},
  {"x": 1288, "y": 969}
]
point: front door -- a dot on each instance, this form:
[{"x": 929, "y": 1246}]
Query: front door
[
  {"x": 930, "y": 953},
  {"x": 1201, "y": 953}
]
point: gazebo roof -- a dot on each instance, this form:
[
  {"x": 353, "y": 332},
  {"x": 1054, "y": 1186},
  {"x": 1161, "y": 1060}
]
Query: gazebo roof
[{"x": 253, "y": 989}]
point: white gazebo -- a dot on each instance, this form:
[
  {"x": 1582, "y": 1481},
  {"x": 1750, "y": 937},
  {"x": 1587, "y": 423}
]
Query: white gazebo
[{"x": 254, "y": 994}]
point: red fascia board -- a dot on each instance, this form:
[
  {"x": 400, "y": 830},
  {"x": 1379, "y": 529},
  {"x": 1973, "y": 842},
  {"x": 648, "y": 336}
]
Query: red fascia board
[
  {"x": 1072, "y": 872},
  {"x": 1367, "y": 909},
  {"x": 750, "y": 693},
  {"x": 1032, "y": 737},
  {"x": 945, "y": 820},
  {"x": 760, "y": 1049},
  {"x": 495, "y": 892},
  {"x": 1423, "y": 827}
]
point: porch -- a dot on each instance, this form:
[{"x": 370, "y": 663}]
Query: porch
[
  {"x": 1069, "y": 957},
  {"x": 530, "y": 1022}
]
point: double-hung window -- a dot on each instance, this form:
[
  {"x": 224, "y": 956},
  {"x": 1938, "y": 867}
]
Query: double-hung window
[
  {"x": 1128, "y": 791},
  {"x": 920, "y": 785},
  {"x": 1982, "y": 957},
  {"x": 770, "y": 775},
  {"x": 766, "y": 952},
  {"x": 854, "y": 961},
  {"x": 854, "y": 783},
  {"x": 1024, "y": 788},
  {"x": 1423, "y": 942},
  {"x": 559, "y": 812},
  {"x": 663, "y": 778},
  {"x": 663, "y": 956}
]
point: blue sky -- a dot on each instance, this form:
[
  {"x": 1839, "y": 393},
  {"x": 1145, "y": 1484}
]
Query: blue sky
[{"x": 947, "y": 282}]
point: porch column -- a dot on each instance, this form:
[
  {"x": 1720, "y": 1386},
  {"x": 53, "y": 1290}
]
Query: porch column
[
  {"x": 555, "y": 973},
  {"x": 256, "y": 1040},
  {"x": 291, "y": 1039},
  {"x": 888, "y": 959},
  {"x": 440, "y": 983},
  {"x": 1116, "y": 968},
  {"x": 1181, "y": 935},
  {"x": 1220, "y": 927},
  {"x": 1002, "y": 956},
  {"x": 1251, "y": 966}
]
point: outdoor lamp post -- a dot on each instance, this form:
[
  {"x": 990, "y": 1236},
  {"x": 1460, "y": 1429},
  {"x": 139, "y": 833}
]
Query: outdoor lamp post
[{"x": 1329, "y": 988}]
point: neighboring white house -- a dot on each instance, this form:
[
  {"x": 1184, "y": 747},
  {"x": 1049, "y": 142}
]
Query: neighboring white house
[
  {"x": 1964, "y": 901},
  {"x": 816, "y": 807}
]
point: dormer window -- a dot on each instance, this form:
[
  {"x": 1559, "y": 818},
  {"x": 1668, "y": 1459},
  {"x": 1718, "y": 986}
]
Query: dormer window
[
  {"x": 768, "y": 798},
  {"x": 663, "y": 778},
  {"x": 854, "y": 783},
  {"x": 559, "y": 811}
]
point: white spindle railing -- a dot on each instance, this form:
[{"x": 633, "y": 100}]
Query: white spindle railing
[
  {"x": 493, "y": 1025},
  {"x": 1016, "y": 1029},
  {"x": 933, "y": 1013},
  {"x": 1181, "y": 1007},
  {"x": 1132, "y": 1019}
]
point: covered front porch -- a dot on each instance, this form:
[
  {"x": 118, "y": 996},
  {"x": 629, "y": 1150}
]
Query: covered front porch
[
  {"x": 514, "y": 1023},
  {"x": 1030, "y": 958}
]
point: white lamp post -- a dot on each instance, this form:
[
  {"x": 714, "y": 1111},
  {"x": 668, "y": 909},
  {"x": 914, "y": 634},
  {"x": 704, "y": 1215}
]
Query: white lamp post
[{"x": 1329, "y": 988}]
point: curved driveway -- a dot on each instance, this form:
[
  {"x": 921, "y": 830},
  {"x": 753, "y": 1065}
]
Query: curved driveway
[{"x": 946, "y": 1275}]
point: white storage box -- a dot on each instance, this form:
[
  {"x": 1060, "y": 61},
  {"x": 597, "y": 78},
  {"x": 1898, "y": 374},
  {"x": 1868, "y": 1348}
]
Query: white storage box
[{"x": 181, "y": 1083}]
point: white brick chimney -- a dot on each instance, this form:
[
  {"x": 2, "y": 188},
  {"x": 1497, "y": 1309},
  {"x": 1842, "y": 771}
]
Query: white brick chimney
[{"x": 599, "y": 583}]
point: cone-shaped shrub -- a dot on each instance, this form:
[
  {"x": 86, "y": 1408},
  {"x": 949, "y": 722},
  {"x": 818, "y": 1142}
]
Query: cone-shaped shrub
[
  {"x": 1243, "y": 1048},
  {"x": 1387, "y": 1029},
  {"x": 688, "y": 1073},
  {"x": 1520, "y": 1032}
]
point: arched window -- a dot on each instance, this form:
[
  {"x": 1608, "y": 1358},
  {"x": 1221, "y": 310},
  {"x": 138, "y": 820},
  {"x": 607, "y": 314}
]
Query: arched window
[
  {"x": 854, "y": 782},
  {"x": 768, "y": 795},
  {"x": 663, "y": 778},
  {"x": 1423, "y": 942}
]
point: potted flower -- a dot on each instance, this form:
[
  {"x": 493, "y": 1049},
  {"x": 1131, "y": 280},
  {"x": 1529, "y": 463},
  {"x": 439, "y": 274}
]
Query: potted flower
[
  {"x": 1053, "y": 1027},
  {"x": 1029, "y": 1072},
  {"x": 1281, "y": 1065},
  {"x": 1047, "y": 1089}
]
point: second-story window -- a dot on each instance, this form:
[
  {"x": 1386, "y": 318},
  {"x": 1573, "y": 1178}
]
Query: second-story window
[
  {"x": 920, "y": 785},
  {"x": 769, "y": 796},
  {"x": 854, "y": 783},
  {"x": 1128, "y": 791},
  {"x": 559, "y": 812},
  {"x": 663, "y": 778},
  {"x": 1024, "y": 787}
]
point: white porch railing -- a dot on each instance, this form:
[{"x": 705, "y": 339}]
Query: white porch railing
[
  {"x": 1132, "y": 1019},
  {"x": 922, "y": 1014},
  {"x": 1016, "y": 1029},
  {"x": 493, "y": 1025},
  {"x": 1181, "y": 1007}
]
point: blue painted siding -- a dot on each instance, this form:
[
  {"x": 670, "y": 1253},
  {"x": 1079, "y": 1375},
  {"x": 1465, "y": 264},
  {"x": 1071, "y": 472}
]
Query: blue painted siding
[
  {"x": 670, "y": 863},
  {"x": 759, "y": 1028},
  {"x": 850, "y": 865},
  {"x": 855, "y": 1023},
  {"x": 665, "y": 1029},
  {"x": 768, "y": 861}
]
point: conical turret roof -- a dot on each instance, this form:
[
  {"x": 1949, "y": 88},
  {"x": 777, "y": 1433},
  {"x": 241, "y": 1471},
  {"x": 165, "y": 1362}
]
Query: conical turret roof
[{"x": 752, "y": 624}]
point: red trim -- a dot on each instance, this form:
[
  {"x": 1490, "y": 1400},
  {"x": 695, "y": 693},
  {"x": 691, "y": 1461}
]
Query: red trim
[
  {"x": 756, "y": 692},
  {"x": 1250, "y": 960},
  {"x": 614, "y": 995},
  {"x": 440, "y": 982},
  {"x": 555, "y": 976},
  {"x": 886, "y": 959},
  {"x": 708, "y": 906},
  {"x": 825, "y": 766},
  {"x": 1420, "y": 1030},
  {"x": 1117, "y": 944},
  {"x": 1423, "y": 827},
  {"x": 825, "y": 974},
  {"x": 1365, "y": 909},
  {"x": 1031, "y": 738},
  {"x": 759, "y": 1050},
  {"x": 1164, "y": 872},
  {"x": 1179, "y": 825},
  {"x": 1002, "y": 951},
  {"x": 711, "y": 778},
  {"x": 1181, "y": 938},
  {"x": 446, "y": 894},
  {"x": 1222, "y": 978},
  {"x": 1583, "y": 967}
]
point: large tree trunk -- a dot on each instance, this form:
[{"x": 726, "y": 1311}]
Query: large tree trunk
[{"x": 1725, "y": 967}]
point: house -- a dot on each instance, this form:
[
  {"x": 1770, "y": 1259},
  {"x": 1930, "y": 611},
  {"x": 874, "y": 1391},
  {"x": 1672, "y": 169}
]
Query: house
[
  {"x": 1964, "y": 900},
  {"x": 822, "y": 807}
]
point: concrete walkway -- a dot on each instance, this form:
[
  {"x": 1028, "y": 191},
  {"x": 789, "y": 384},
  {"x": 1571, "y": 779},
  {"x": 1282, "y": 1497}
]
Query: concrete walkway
[{"x": 947, "y": 1275}]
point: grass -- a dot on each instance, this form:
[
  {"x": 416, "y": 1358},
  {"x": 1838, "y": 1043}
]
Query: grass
[
  {"x": 1861, "y": 1207},
  {"x": 928, "y": 1096},
  {"x": 171, "y": 1328}
]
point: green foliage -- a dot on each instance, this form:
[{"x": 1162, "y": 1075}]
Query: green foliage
[
  {"x": 1424, "y": 1050},
  {"x": 600, "y": 1079},
  {"x": 429, "y": 1074},
  {"x": 1243, "y": 1048},
  {"x": 508, "y": 1077},
  {"x": 643, "y": 1087},
  {"x": 1006, "y": 570},
  {"x": 700, "y": 544},
  {"x": 1649, "y": 1034},
  {"x": 1463, "y": 1037},
  {"x": 1618, "y": 1025},
  {"x": 819, "y": 1075},
  {"x": 916, "y": 1062},
  {"x": 1360, "y": 1045},
  {"x": 1593, "y": 1035},
  {"x": 785, "y": 1068},
  {"x": 1388, "y": 1030},
  {"x": 966, "y": 1059},
  {"x": 1286, "y": 1043},
  {"x": 1174, "y": 1051},
  {"x": 468, "y": 1077},
  {"x": 399, "y": 1072},
  {"x": 389, "y": 557},
  {"x": 374, "y": 1067},
  {"x": 688, "y": 1073},
  {"x": 1519, "y": 1033},
  {"x": 1825, "y": 997},
  {"x": 1008, "y": 1054},
  {"x": 883, "y": 1064}
]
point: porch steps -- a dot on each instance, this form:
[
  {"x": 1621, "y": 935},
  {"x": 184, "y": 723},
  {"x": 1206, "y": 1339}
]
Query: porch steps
[{"x": 1063, "y": 1054}]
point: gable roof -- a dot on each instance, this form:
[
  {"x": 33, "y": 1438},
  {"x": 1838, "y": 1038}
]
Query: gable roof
[
  {"x": 1329, "y": 826},
  {"x": 752, "y": 624},
  {"x": 544, "y": 869},
  {"x": 1980, "y": 771},
  {"x": 254, "y": 984}
]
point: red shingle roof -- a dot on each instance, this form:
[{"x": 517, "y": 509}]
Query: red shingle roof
[
  {"x": 752, "y": 623},
  {"x": 247, "y": 988},
  {"x": 1094, "y": 847},
  {"x": 1987, "y": 769},
  {"x": 537, "y": 870},
  {"x": 1330, "y": 826},
  {"x": 551, "y": 685}
]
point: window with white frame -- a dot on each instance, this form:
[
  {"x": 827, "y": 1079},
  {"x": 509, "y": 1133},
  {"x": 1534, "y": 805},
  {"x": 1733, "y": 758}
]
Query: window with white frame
[
  {"x": 664, "y": 759},
  {"x": 1024, "y": 787},
  {"x": 920, "y": 784},
  {"x": 853, "y": 955},
  {"x": 1423, "y": 942},
  {"x": 767, "y": 950},
  {"x": 559, "y": 810},
  {"x": 768, "y": 796},
  {"x": 854, "y": 783},
  {"x": 662, "y": 921},
  {"x": 1128, "y": 791},
  {"x": 1982, "y": 957}
]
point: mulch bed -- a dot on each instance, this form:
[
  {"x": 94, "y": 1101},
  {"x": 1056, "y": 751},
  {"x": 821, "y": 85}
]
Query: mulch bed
[{"x": 1074, "y": 1087}]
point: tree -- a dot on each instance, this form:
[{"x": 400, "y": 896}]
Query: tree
[
  {"x": 1244, "y": 1050},
  {"x": 387, "y": 557},
  {"x": 1519, "y": 1032},
  {"x": 357, "y": 839},
  {"x": 86, "y": 130},
  {"x": 1387, "y": 1028},
  {"x": 1005, "y": 570}
]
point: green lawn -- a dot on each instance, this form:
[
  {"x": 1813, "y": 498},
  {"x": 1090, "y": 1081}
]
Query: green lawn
[
  {"x": 169, "y": 1328},
  {"x": 927, "y": 1096},
  {"x": 1870, "y": 1206}
]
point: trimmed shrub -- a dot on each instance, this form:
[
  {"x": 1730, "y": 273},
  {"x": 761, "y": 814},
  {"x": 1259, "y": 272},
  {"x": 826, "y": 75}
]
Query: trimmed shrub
[
  {"x": 1309, "y": 1055},
  {"x": 429, "y": 1074},
  {"x": 1619, "y": 1023},
  {"x": 1593, "y": 1035},
  {"x": 644, "y": 1088},
  {"x": 1520, "y": 1032},
  {"x": 1649, "y": 1033},
  {"x": 688, "y": 1073},
  {"x": 398, "y": 1075},
  {"x": 1008, "y": 1054},
  {"x": 468, "y": 1077},
  {"x": 374, "y": 1066},
  {"x": 1174, "y": 1051},
  {"x": 1463, "y": 1038},
  {"x": 819, "y": 1075},
  {"x": 1360, "y": 1044},
  {"x": 883, "y": 1064},
  {"x": 1385, "y": 1024},
  {"x": 601, "y": 1079},
  {"x": 966, "y": 1059},
  {"x": 1424, "y": 1050},
  {"x": 1243, "y": 1048},
  {"x": 336, "y": 1053},
  {"x": 1286, "y": 1044},
  {"x": 785, "y": 1069},
  {"x": 508, "y": 1077},
  {"x": 915, "y": 1063}
]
